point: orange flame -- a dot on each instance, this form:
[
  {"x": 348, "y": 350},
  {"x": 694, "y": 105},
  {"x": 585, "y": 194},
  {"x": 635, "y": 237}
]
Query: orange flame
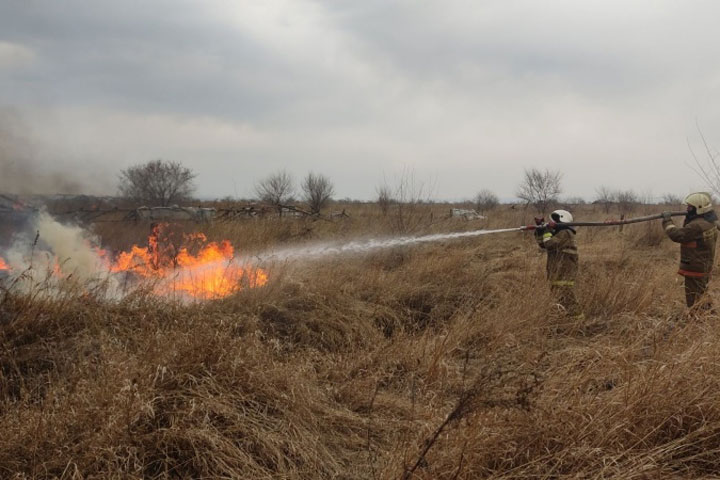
[
  {"x": 195, "y": 269},
  {"x": 210, "y": 273}
]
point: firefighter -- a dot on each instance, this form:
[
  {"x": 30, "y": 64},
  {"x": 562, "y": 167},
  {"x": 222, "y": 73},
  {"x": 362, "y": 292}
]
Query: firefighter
[
  {"x": 697, "y": 239},
  {"x": 558, "y": 241}
]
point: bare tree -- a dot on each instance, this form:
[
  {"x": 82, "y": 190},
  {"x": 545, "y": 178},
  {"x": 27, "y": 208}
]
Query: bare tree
[
  {"x": 540, "y": 188},
  {"x": 412, "y": 198},
  {"x": 707, "y": 168},
  {"x": 317, "y": 191},
  {"x": 646, "y": 198},
  {"x": 626, "y": 200},
  {"x": 605, "y": 197},
  {"x": 157, "y": 183},
  {"x": 276, "y": 189},
  {"x": 384, "y": 198},
  {"x": 671, "y": 199},
  {"x": 406, "y": 202},
  {"x": 486, "y": 200}
]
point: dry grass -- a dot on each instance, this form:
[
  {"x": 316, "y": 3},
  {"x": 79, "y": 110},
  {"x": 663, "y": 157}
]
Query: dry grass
[{"x": 437, "y": 361}]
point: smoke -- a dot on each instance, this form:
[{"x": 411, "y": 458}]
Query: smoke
[
  {"x": 23, "y": 170},
  {"x": 56, "y": 251},
  {"x": 74, "y": 246}
]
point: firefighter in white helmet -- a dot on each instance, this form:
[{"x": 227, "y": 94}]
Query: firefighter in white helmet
[
  {"x": 558, "y": 240},
  {"x": 697, "y": 239}
]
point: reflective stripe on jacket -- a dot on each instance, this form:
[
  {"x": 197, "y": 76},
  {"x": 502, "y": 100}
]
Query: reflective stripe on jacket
[{"x": 697, "y": 245}]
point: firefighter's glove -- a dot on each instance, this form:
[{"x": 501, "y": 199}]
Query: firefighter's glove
[
  {"x": 551, "y": 225},
  {"x": 539, "y": 230},
  {"x": 666, "y": 216}
]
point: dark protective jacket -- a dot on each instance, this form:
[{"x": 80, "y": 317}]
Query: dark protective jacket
[
  {"x": 697, "y": 243},
  {"x": 562, "y": 256}
]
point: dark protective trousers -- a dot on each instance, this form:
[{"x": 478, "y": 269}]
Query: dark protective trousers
[{"x": 695, "y": 289}]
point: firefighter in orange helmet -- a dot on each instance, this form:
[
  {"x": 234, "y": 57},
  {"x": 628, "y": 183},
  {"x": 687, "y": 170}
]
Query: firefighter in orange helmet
[
  {"x": 697, "y": 238},
  {"x": 558, "y": 240}
]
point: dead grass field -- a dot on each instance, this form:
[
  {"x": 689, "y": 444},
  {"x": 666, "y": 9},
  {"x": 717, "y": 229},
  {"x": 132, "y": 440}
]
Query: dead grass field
[{"x": 437, "y": 361}]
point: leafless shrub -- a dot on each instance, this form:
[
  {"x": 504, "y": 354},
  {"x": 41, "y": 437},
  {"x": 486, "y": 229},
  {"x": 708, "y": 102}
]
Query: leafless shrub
[
  {"x": 486, "y": 200},
  {"x": 276, "y": 189},
  {"x": 605, "y": 197},
  {"x": 540, "y": 188},
  {"x": 671, "y": 199},
  {"x": 626, "y": 200},
  {"x": 708, "y": 168},
  {"x": 157, "y": 183},
  {"x": 384, "y": 198},
  {"x": 411, "y": 198},
  {"x": 317, "y": 191},
  {"x": 646, "y": 198}
]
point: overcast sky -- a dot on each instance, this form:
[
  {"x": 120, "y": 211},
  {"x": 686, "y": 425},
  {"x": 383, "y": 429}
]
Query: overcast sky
[{"x": 463, "y": 93}]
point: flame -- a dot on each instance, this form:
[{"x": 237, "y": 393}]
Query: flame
[
  {"x": 210, "y": 273},
  {"x": 188, "y": 265}
]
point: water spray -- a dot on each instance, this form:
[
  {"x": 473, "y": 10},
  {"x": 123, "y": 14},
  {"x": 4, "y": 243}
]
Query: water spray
[{"x": 316, "y": 251}]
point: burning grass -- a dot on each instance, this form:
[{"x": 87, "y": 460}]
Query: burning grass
[
  {"x": 190, "y": 266},
  {"x": 438, "y": 361},
  {"x": 170, "y": 264}
]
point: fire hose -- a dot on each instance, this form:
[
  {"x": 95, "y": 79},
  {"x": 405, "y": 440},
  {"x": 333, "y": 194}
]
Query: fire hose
[{"x": 606, "y": 223}]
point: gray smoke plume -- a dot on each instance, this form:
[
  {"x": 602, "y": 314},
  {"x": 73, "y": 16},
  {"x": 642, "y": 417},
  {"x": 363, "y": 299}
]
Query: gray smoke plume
[{"x": 22, "y": 170}]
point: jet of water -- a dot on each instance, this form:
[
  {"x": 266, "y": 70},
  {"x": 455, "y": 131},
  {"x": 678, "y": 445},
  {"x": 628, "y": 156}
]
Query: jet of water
[{"x": 328, "y": 249}]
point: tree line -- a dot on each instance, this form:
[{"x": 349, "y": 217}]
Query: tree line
[{"x": 164, "y": 183}]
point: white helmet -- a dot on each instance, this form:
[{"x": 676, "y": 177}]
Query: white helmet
[
  {"x": 702, "y": 201},
  {"x": 561, "y": 216}
]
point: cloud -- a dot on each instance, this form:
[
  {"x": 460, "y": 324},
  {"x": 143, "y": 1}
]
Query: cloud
[
  {"x": 14, "y": 56},
  {"x": 466, "y": 93}
]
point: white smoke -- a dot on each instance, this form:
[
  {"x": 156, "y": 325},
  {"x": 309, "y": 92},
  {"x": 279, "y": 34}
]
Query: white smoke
[
  {"x": 56, "y": 251},
  {"x": 75, "y": 248}
]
